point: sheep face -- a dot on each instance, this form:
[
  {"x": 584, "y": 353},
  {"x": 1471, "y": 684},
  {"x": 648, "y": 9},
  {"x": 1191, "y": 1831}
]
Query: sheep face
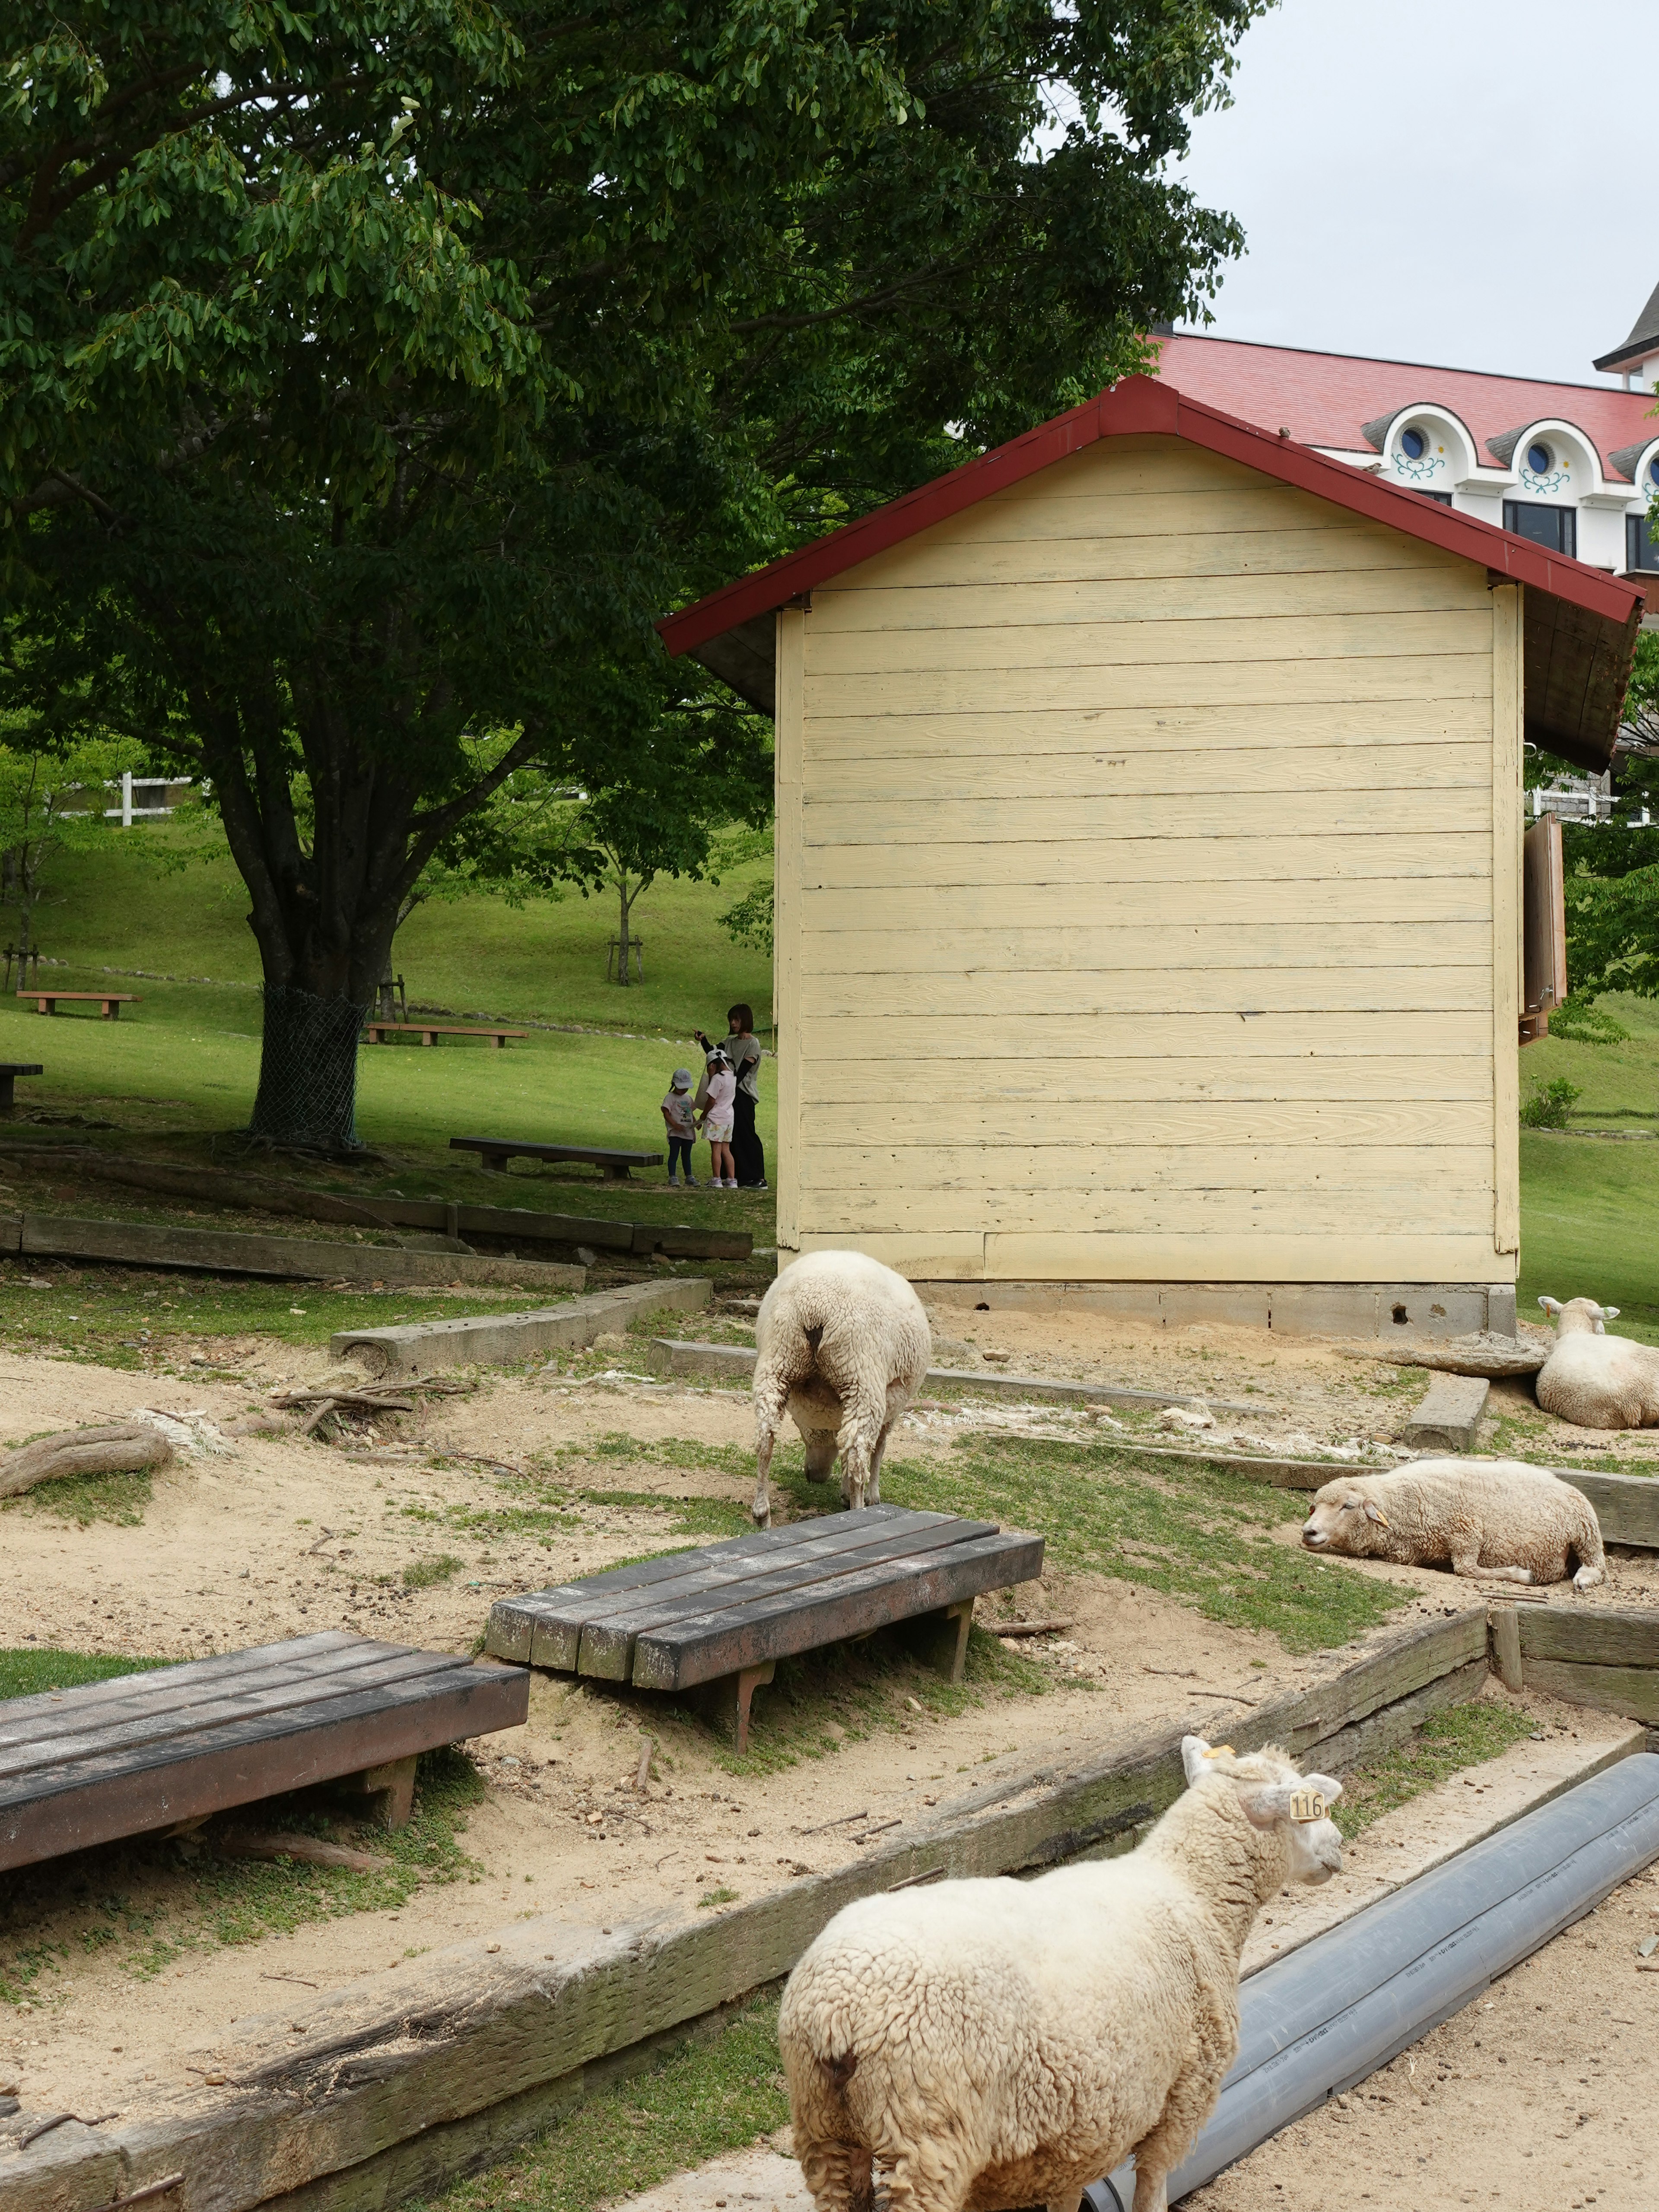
[
  {"x": 1579, "y": 1317},
  {"x": 1275, "y": 1797},
  {"x": 1342, "y": 1519}
]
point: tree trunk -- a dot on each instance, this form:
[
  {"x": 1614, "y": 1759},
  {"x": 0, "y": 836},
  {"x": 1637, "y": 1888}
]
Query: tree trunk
[
  {"x": 307, "y": 1095},
  {"x": 621, "y": 884}
]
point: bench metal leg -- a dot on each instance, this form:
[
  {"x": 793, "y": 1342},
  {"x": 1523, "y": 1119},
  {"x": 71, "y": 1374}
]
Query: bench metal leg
[
  {"x": 724, "y": 1704},
  {"x": 940, "y": 1639},
  {"x": 389, "y": 1788},
  {"x": 7, "y": 1096},
  {"x": 616, "y": 1175},
  {"x": 493, "y": 1163}
]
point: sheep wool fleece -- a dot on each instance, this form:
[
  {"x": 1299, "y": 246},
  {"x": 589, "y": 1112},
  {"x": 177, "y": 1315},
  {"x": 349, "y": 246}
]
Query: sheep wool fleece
[
  {"x": 994, "y": 2043},
  {"x": 842, "y": 1343},
  {"x": 1499, "y": 1517},
  {"x": 1595, "y": 1380}
]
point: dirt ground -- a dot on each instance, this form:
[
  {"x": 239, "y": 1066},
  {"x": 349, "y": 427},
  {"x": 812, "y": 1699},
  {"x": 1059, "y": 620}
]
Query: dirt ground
[{"x": 280, "y": 1535}]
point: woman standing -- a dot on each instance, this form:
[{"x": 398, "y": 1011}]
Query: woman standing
[{"x": 741, "y": 1049}]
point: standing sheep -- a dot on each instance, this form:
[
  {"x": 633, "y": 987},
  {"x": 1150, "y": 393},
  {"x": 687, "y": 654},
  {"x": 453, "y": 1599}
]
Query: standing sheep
[
  {"x": 1595, "y": 1380},
  {"x": 842, "y": 1343},
  {"x": 1501, "y": 1517},
  {"x": 987, "y": 2044}
]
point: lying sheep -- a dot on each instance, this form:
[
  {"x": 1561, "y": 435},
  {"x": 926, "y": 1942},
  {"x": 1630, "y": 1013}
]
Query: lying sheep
[
  {"x": 984, "y": 2043},
  {"x": 1595, "y": 1380},
  {"x": 842, "y": 1343},
  {"x": 1499, "y": 1517}
]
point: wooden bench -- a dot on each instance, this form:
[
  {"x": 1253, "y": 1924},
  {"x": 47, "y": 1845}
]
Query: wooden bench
[
  {"x": 718, "y": 1620},
  {"x": 109, "y": 1003},
  {"x": 143, "y": 1752},
  {"x": 429, "y": 1032},
  {"x": 495, "y": 1152},
  {"x": 9, "y": 1071}
]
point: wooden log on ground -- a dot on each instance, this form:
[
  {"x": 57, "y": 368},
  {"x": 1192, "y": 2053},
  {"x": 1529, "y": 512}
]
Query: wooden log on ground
[
  {"x": 111, "y": 1448},
  {"x": 1482, "y": 1352},
  {"x": 404, "y": 2081},
  {"x": 151, "y": 1244},
  {"x": 304, "y": 1851},
  {"x": 420, "y": 1346}
]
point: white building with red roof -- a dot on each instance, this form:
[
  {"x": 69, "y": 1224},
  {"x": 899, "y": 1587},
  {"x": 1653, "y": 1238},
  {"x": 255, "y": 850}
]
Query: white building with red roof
[{"x": 1570, "y": 466}]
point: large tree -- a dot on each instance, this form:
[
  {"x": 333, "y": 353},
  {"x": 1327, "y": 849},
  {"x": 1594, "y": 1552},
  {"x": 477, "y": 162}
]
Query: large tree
[{"x": 371, "y": 371}]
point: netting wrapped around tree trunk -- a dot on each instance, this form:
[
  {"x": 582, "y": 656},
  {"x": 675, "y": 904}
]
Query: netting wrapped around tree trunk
[{"x": 308, "y": 1071}]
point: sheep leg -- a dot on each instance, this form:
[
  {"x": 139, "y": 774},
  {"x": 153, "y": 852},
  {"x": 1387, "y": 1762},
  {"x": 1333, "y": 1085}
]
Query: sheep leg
[
  {"x": 1151, "y": 2195},
  {"x": 769, "y": 1405},
  {"x": 1468, "y": 1563},
  {"x": 839, "y": 2175},
  {"x": 876, "y": 1457},
  {"x": 862, "y": 1421},
  {"x": 926, "y": 2180}
]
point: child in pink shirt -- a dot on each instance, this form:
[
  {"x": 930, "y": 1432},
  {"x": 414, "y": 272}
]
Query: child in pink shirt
[{"x": 720, "y": 1088}]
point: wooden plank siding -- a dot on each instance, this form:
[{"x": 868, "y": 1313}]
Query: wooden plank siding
[{"x": 1147, "y": 907}]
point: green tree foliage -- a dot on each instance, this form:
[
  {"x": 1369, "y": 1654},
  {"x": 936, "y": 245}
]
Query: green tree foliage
[
  {"x": 371, "y": 371},
  {"x": 1612, "y": 887},
  {"x": 52, "y": 799}
]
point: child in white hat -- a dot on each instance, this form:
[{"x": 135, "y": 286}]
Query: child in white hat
[
  {"x": 720, "y": 1088},
  {"x": 682, "y": 1123}
]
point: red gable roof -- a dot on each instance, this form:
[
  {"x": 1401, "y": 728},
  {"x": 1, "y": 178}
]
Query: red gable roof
[
  {"x": 1324, "y": 398},
  {"x": 1580, "y": 623}
]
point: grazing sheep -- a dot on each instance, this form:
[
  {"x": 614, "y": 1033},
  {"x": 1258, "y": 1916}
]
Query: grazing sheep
[
  {"x": 987, "y": 2044},
  {"x": 842, "y": 1343},
  {"x": 1499, "y": 1517},
  {"x": 1595, "y": 1380}
]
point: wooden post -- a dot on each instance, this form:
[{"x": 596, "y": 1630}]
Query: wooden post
[
  {"x": 1505, "y": 1621},
  {"x": 390, "y": 1788},
  {"x": 724, "y": 1704},
  {"x": 940, "y": 1639}
]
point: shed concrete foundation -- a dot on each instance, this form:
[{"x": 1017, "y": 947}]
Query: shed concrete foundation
[{"x": 1292, "y": 1309}]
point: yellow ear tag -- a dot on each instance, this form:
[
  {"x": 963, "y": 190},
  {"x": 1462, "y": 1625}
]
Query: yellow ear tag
[
  {"x": 1381, "y": 1517},
  {"x": 1221, "y": 1751},
  {"x": 1307, "y": 1805}
]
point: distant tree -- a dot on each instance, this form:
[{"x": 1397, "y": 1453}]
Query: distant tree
[
  {"x": 1612, "y": 888},
  {"x": 373, "y": 370},
  {"x": 748, "y": 920},
  {"x": 52, "y": 802}
]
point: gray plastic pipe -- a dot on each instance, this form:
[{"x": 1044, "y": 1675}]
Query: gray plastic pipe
[{"x": 1346, "y": 2003}]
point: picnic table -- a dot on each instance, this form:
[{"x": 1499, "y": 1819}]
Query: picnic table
[
  {"x": 109, "y": 1003},
  {"x": 716, "y": 1621},
  {"x": 429, "y": 1032},
  {"x": 9, "y": 1071},
  {"x": 495, "y": 1152},
  {"x": 156, "y": 1750}
]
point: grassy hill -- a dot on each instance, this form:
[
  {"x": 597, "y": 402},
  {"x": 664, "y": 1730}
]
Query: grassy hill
[{"x": 542, "y": 961}]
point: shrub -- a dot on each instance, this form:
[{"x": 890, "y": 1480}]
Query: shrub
[{"x": 1548, "y": 1108}]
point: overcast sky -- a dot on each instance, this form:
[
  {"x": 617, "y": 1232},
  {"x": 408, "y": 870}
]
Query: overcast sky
[{"x": 1469, "y": 183}]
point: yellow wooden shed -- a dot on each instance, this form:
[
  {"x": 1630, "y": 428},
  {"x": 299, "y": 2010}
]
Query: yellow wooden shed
[{"x": 1150, "y": 906}]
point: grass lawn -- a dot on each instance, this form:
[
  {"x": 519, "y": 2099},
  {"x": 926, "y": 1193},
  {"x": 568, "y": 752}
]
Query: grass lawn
[
  {"x": 1589, "y": 1205},
  {"x": 543, "y": 961}
]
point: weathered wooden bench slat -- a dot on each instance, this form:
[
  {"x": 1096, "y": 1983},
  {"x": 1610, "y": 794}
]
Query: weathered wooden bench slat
[
  {"x": 714, "y": 1622},
  {"x": 688, "y": 1652},
  {"x": 557, "y": 1617},
  {"x": 112, "y": 1739},
  {"x": 372, "y": 1717},
  {"x": 546, "y": 1616},
  {"x": 607, "y": 1643},
  {"x": 245, "y": 1732},
  {"x": 179, "y": 1680}
]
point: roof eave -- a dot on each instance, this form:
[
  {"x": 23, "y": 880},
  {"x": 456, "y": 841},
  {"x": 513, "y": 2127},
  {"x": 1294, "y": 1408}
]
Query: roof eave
[{"x": 1607, "y": 611}]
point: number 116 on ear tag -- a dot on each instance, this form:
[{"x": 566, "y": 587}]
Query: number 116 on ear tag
[{"x": 1307, "y": 1805}]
